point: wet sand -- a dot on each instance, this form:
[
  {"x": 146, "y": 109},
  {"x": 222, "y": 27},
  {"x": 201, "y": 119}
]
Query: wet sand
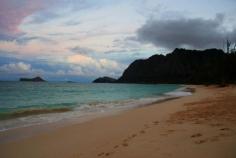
[{"x": 201, "y": 125}]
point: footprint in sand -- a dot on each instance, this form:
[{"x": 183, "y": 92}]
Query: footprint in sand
[
  {"x": 196, "y": 135},
  {"x": 155, "y": 122},
  {"x": 125, "y": 144},
  {"x": 125, "y": 140},
  {"x": 107, "y": 154},
  {"x": 225, "y": 129},
  {"x": 100, "y": 154},
  {"x": 142, "y": 131},
  {"x": 116, "y": 146},
  {"x": 129, "y": 138},
  {"x": 200, "y": 141},
  {"x": 133, "y": 136}
]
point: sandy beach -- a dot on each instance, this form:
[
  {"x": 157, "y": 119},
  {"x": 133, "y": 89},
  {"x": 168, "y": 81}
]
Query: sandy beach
[{"x": 200, "y": 125}]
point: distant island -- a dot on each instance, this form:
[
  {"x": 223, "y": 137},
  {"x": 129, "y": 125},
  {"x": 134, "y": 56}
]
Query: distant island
[
  {"x": 70, "y": 82},
  {"x": 105, "y": 80},
  {"x": 183, "y": 66},
  {"x": 35, "y": 79}
]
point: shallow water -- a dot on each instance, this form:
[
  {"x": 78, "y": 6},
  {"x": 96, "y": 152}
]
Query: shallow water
[{"x": 28, "y": 103}]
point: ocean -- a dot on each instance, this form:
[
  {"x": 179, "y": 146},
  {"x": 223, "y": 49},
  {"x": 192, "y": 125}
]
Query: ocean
[{"x": 31, "y": 103}]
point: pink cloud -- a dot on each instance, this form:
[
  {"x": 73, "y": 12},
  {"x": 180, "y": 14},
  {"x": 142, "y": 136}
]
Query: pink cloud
[{"x": 12, "y": 13}]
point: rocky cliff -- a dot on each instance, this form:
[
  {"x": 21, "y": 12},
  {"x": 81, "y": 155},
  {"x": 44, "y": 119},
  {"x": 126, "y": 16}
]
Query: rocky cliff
[{"x": 211, "y": 66}]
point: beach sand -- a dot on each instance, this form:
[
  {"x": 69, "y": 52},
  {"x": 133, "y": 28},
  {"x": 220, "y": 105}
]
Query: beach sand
[{"x": 201, "y": 125}]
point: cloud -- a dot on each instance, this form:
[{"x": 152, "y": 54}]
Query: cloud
[
  {"x": 29, "y": 47},
  {"x": 80, "y": 59},
  {"x": 23, "y": 69},
  {"x": 87, "y": 66},
  {"x": 12, "y": 13},
  {"x": 191, "y": 33},
  {"x": 42, "y": 17},
  {"x": 16, "y": 68},
  {"x": 81, "y": 50},
  {"x": 26, "y": 39}
]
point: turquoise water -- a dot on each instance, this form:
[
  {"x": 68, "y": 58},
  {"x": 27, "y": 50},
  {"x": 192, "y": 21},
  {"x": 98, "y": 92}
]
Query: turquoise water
[{"x": 23, "y": 99}]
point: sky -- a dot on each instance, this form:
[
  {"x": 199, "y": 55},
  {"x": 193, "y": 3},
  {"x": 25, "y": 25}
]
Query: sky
[{"x": 80, "y": 40}]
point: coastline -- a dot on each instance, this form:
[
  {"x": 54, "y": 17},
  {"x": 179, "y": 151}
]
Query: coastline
[
  {"x": 33, "y": 117},
  {"x": 157, "y": 130}
]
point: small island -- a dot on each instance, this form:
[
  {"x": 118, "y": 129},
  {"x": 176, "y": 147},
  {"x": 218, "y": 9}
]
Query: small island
[
  {"x": 104, "y": 79},
  {"x": 35, "y": 79}
]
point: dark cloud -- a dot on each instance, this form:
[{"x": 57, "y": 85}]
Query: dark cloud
[
  {"x": 25, "y": 39},
  {"x": 193, "y": 33},
  {"x": 126, "y": 45},
  {"x": 129, "y": 44},
  {"x": 130, "y": 50},
  {"x": 81, "y": 50}
]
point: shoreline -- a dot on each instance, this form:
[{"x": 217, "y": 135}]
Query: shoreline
[
  {"x": 87, "y": 115},
  {"x": 159, "y": 130}
]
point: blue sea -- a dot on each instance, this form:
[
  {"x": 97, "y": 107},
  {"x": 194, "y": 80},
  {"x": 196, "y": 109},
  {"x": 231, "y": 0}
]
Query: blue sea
[{"x": 30, "y": 103}]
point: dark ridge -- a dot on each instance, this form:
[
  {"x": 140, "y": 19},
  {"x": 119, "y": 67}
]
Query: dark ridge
[
  {"x": 182, "y": 66},
  {"x": 105, "y": 80},
  {"x": 35, "y": 79}
]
